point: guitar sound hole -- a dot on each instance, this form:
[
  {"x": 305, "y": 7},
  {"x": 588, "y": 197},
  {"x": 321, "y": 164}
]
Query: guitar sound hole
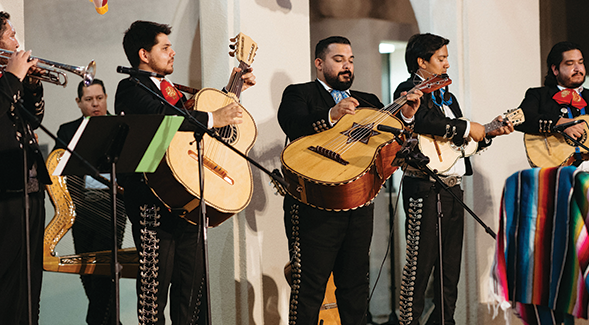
[
  {"x": 228, "y": 133},
  {"x": 360, "y": 133},
  {"x": 582, "y": 139}
]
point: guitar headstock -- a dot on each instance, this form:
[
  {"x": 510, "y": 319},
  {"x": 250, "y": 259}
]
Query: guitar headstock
[
  {"x": 244, "y": 48},
  {"x": 515, "y": 116},
  {"x": 434, "y": 83}
]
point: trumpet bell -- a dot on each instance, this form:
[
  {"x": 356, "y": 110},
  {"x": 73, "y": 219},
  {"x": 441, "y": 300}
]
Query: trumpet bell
[{"x": 89, "y": 73}]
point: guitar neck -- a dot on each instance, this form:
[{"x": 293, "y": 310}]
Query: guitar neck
[
  {"x": 237, "y": 82},
  {"x": 493, "y": 125}
]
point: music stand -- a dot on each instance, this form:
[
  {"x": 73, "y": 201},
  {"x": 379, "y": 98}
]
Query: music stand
[{"x": 127, "y": 144}]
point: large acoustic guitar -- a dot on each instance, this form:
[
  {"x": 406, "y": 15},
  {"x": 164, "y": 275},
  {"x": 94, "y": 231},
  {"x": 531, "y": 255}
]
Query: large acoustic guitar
[
  {"x": 344, "y": 167},
  {"x": 228, "y": 177},
  {"x": 552, "y": 149},
  {"x": 443, "y": 153}
]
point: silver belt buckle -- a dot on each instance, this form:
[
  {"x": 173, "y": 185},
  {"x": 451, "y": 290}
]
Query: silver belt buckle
[{"x": 451, "y": 181}]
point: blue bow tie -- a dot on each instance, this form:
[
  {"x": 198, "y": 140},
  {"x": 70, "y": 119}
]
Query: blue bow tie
[
  {"x": 338, "y": 95},
  {"x": 442, "y": 100}
]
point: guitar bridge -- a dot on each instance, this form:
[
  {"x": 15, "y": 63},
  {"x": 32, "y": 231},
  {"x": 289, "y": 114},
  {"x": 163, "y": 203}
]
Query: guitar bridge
[
  {"x": 329, "y": 154},
  {"x": 213, "y": 167}
]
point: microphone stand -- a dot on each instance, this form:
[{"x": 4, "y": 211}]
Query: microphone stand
[
  {"x": 418, "y": 160},
  {"x": 201, "y": 130},
  {"x": 27, "y": 208},
  {"x": 573, "y": 140}
]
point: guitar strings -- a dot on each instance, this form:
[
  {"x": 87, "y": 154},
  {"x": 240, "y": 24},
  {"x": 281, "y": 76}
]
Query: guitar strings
[
  {"x": 340, "y": 142},
  {"x": 213, "y": 148}
]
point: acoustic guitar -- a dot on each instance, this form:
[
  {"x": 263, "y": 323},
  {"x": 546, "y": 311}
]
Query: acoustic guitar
[
  {"x": 228, "y": 177},
  {"x": 443, "y": 153},
  {"x": 344, "y": 167},
  {"x": 552, "y": 149}
]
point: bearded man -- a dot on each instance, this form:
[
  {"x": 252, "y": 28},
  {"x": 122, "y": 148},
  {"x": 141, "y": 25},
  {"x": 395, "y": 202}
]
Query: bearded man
[
  {"x": 322, "y": 242},
  {"x": 562, "y": 97}
]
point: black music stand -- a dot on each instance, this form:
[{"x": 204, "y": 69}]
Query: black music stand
[{"x": 127, "y": 144}]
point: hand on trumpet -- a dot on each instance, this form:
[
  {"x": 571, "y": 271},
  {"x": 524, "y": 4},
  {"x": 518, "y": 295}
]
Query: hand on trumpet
[{"x": 19, "y": 64}]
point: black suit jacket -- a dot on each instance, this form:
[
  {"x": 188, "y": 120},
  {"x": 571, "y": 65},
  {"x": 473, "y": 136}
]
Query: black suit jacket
[
  {"x": 542, "y": 112},
  {"x": 131, "y": 98},
  {"x": 304, "y": 109},
  {"x": 11, "y": 132},
  {"x": 430, "y": 119}
]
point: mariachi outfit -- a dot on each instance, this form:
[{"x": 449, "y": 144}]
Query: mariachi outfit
[
  {"x": 16, "y": 133},
  {"x": 170, "y": 248},
  {"x": 321, "y": 242},
  {"x": 439, "y": 115}
]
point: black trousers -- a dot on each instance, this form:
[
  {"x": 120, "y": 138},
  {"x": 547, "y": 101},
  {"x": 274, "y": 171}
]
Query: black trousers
[
  {"x": 13, "y": 271},
  {"x": 322, "y": 242},
  {"x": 171, "y": 260},
  {"x": 420, "y": 201}
]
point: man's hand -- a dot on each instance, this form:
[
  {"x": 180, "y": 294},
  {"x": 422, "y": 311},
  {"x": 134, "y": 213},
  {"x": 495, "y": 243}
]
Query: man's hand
[
  {"x": 413, "y": 102},
  {"x": 477, "y": 131},
  {"x": 345, "y": 106},
  {"x": 505, "y": 129},
  {"x": 230, "y": 114},
  {"x": 248, "y": 79},
  {"x": 19, "y": 65},
  {"x": 574, "y": 131}
]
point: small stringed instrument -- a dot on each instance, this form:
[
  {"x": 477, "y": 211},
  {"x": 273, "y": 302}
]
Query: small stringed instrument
[
  {"x": 443, "y": 153},
  {"x": 228, "y": 177},
  {"x": 344, "y": 167},
  {"x": 553, "y": 149}
]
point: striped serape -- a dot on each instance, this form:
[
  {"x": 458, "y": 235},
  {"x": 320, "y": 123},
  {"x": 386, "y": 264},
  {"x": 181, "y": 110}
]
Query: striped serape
[{"x": 542, "y": 251}]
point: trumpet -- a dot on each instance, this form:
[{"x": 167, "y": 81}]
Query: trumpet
[{"x": 49, "y": 71}]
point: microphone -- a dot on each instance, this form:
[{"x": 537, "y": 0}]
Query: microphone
[
  {"x": 138, "y": 72},
  {"x": 390, "y": 129},
  {"x": 563, "y": 126}
]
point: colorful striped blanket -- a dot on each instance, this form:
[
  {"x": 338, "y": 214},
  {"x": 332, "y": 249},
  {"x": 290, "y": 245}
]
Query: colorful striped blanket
[{"x": 542, "y": 251}]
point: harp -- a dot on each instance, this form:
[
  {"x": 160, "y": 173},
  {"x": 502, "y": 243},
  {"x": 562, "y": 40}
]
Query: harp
[{"x": 97, "y": 263}]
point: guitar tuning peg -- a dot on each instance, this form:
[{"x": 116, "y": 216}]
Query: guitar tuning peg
[
  {"x": 232, "y": 46},
  {"x": 232, "y": 53},
  {"x": 233, "y": 39}
]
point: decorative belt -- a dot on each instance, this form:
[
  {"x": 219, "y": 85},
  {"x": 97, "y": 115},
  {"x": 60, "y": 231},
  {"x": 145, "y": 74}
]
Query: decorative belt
[{"x": 448, "y": 180}]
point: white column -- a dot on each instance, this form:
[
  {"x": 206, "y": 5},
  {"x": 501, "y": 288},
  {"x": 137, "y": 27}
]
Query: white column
[{"x": 252, "y": 248}]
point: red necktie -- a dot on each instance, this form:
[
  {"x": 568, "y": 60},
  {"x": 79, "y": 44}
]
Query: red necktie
[
  {"x": 170, "y": 93},
  {"x": 570, "y": 97}
]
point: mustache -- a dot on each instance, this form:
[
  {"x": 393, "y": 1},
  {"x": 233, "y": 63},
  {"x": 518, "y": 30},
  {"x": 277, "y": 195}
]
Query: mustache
[{"x": 347, "y": 72}]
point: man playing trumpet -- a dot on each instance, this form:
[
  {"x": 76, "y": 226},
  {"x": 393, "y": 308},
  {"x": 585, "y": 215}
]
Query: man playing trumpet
[{"x": 18, "y": 92}]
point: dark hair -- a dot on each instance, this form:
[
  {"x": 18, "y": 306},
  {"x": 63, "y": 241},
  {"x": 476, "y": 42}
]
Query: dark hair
[
  {"x": 422, "y": 46},
  {"x": 4, "y": 16},
  {"x": 555, "y": 58},
  {"x": 142, "y": 35},
  {"x": 321, "y": 47},
  {"x": 94, "y": 82}
]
